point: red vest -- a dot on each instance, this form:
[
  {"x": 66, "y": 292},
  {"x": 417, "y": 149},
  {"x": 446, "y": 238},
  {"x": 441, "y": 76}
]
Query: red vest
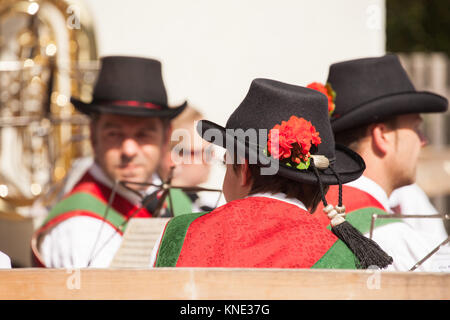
[
  {"x": 255, "y": 232},
  {"x": 353, "y": 199},
  {"x": 88, "y": 198}
]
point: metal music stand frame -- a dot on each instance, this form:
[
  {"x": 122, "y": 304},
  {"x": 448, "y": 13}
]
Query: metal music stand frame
[
  {"x": 412, "y": 216},
  {"x": 163, "y": 187}
]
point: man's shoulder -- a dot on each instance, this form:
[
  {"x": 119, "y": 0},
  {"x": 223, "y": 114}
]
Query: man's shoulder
[
  {"x": 76, "y": 202},
  {"x": 88, "y": 184},
  {"x": 257, "y": 204},
  {"x": 70, "y": 242},
  {"x": 75, "y": 224},
  {"x": 88, "y": 198},
  {"x": 85, "y": 205},
  {"x": 183, "y": 221},
  {"x": 250, "y": 210},
  {"x": 368, "y": 218},
  {"x": 353, "y": 198}
]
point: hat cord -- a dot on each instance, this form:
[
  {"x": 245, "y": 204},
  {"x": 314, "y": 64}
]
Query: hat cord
[
  {"x": 338, "y": 177},
  {"x": 322, "y": 193},
  {"x": 366, "y": 251}
]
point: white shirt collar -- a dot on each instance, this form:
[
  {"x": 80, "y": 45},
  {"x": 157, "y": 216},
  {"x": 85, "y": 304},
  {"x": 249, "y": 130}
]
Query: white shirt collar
[
  {"x": 97, "y": 172},
  {"x": 374, "y": 189},
  {"x": 282, "y": 197}
]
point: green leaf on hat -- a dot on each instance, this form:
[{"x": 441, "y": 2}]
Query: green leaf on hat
[
  {"x": 330, "y": 90},
  {"x": 304, "y": 165}
]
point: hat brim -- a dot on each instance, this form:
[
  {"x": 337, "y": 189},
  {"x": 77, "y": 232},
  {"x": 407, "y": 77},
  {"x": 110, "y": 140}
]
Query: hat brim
[
  {"x": 391, "y": 105},
  {"x": 348, "y": 164},
  {"x": 92, "y": 108}
]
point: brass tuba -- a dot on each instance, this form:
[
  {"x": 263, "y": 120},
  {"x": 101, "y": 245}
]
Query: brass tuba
[{"x": 48, "y": 53}]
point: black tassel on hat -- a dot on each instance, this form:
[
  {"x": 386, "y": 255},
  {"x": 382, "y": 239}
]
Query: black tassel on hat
[{"x": 367, "y": 251}]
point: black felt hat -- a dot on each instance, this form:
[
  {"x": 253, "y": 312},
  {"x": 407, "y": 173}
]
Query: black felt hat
[
  {"x": 373, "y": 89},
  {"x": 270, "y": 102},
  {"x": 130, "y": 86}
]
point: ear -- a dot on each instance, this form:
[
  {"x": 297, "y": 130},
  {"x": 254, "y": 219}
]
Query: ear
[
  {"x": 382, "y": 138},
  {"x": 245, "y": 175}
]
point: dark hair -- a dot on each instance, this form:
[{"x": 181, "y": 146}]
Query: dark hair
[
  {"x": 352, "y": 137},
  {"x": 308, "y": 194}
]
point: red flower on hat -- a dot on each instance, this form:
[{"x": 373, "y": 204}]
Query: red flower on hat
[
  {"x": 326, "y": 90},
  {"x": 292, "y": 140}
]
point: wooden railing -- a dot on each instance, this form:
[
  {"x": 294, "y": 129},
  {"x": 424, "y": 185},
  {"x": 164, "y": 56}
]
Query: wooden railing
[
  {"x": 220, "y": 284},
  {"x": 433, "y": 171}
]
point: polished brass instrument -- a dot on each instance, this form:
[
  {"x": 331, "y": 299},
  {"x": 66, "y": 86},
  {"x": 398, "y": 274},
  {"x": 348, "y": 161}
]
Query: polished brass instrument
[{"x": 48, "y": 53}]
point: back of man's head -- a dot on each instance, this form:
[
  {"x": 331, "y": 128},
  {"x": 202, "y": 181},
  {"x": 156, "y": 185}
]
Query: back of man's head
[{"x": 308, "y": 194}]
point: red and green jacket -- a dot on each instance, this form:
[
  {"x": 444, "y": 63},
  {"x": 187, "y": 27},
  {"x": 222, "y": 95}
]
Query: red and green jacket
[
  {"x": 89, "y": 198},
  {"x": 353, "y": 199},
  {"x": 255, "y": 232}
]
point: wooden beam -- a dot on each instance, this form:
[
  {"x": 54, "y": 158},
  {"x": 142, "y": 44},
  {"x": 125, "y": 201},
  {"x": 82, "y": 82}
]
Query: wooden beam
[
  {"x": 193, "y": 283},
  {"x": 433, "y": 171}
]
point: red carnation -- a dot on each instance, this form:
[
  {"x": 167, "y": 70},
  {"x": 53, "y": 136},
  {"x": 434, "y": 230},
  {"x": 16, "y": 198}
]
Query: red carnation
[
  {"x": 291, "y": 140},
  {"x": 326, "y": 90}
]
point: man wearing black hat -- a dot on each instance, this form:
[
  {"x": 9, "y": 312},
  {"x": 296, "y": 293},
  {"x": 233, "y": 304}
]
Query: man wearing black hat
[
  {"x": 130, "y": 133},
  {"x": 377, "y": 114},
  {"x": 280, "y": 155}
]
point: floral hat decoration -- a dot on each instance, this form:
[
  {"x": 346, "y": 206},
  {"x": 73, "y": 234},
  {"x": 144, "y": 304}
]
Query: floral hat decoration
[
  {"x": 291, "y": 142},
  {"x": 297, "y": 128},
  {"x": 326, "y": 90}
]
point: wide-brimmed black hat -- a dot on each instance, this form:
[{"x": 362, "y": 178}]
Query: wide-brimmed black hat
[
  {"x": 270, "y": 102},
  {"x": 130, "y": 86},
  {"x": 370, "y": 90}
]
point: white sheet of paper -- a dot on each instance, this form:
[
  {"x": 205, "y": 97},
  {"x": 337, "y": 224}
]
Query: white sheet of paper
[{"x": 138, "y": 242}]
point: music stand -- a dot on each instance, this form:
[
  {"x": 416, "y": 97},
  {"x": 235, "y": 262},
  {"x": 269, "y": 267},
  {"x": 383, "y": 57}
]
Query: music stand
[{"x": 412, "y": 216}]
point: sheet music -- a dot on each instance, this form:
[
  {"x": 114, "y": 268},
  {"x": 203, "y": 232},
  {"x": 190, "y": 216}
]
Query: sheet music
[{"x": 137, "y": 243}]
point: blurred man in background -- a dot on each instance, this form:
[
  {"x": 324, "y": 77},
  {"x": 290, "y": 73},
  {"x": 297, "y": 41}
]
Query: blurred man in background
[
  {"x": 191, "y": 158},
  {"x": 130, "y": 132}
]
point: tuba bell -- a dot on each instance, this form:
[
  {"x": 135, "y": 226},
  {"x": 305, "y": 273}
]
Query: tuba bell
[{"x": 48, "y": 53}]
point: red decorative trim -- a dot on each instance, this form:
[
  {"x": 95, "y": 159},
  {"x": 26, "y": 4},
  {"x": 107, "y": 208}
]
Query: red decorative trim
[
  {"x": 132, "y": 103},
  {"x": 89, "y": 185}
]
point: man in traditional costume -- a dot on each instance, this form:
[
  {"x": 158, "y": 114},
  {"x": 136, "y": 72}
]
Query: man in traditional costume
[
  {"x": 267, "y": 220},
  {"x": 377, "y": 114},
  {"x": 130, "y": 134}
]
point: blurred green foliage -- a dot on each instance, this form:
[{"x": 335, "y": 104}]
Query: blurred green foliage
[{"x": 418, "y": 25}]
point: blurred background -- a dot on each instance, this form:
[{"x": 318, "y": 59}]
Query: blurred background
[{"x": 210, "y": 51}]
